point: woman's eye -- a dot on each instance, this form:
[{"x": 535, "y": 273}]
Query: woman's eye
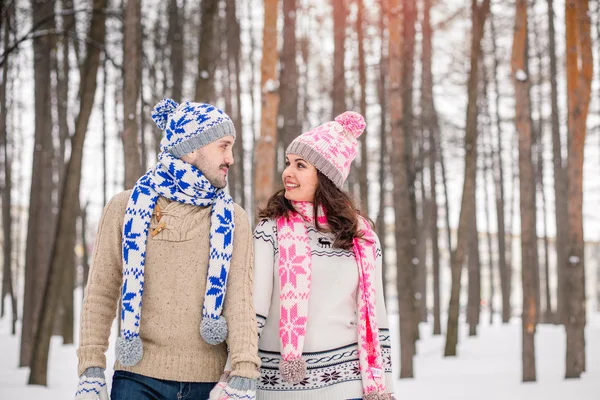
[{"x": 300, "y": 165}]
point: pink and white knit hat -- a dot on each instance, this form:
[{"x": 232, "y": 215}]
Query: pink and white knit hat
[{"x": 332, "y": 146}]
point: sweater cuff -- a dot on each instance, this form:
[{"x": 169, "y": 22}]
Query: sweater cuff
[
  {"x": 90, "y": 356},
  {"x": 246, "y": 369}
]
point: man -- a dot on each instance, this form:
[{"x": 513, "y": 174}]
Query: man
[{"x": 177, "y": 244}]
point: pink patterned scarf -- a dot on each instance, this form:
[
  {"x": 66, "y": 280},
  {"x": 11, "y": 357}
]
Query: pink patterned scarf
[{"x": 295, "y": 265}]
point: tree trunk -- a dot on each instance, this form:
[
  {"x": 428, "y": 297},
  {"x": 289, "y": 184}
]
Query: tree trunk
[
  {"x": 288, "y": 73},
  {"x": 252, "y": 75},
  {"x": 435, "y": 247},
  {"x": 539, "y": 143},
  {"x": 422, "y": 235},
  {"x": 442, "y": 163},
  {"x": 405, "y": 249},
  {"x": 526, "y": 190},
  {"x": 84, "y": 253},
  {"x": 362, "y": 81},
  {"x": 104, "y": 133},
  {"x": 383, "y": 146},
  {"x": 497, "y": 159},
  {"x": 65, "y": 232},
  {"x": 430, "y": 126},
  {"x": 479, "y": 14},
  {"x": 488, "y": 161},
  {"x": 143, "y": 117},
  {"x": 225, "y": 66},
  {"x": 474, "y": 292},
  {"x": 560, "y": 178},
  {"x": 132, "y": 70},
  {"x": 488, "y": 224},
  {"x": 265, "y": 149},
  {"x": 65, "y": 315},
  {"x": 579, "y": 79},
  {"x": 176, "y": 59},
  {"x": 237, "y": 181},
  {"x": 338, "y": 94},
  {"x": 8, "y": 285},
  {"x": 41, "y": 215},
  {"x": 206, "y": 53}
]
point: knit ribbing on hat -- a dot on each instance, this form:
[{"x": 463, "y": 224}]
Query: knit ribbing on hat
[
  {"x": 318, "y": 161},
  {"x": 190, "y": 126},
  {"x": 225, "y": 128},
  {"x": 182, "y": 182}
]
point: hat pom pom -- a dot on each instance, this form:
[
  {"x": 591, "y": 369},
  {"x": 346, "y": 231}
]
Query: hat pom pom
[
  {"x": 353, "y": 123},
  {"x": 161, "y": 112}
]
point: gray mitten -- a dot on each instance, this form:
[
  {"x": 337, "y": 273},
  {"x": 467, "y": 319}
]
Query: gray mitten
[{"x": 235, "y": 388}]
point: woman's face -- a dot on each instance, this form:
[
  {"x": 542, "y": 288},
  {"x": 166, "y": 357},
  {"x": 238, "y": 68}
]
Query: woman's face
[{"x": 299, "y": 179}]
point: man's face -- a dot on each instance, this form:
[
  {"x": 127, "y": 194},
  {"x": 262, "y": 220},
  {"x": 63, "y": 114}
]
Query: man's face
[{"x": 213, "y": 160}]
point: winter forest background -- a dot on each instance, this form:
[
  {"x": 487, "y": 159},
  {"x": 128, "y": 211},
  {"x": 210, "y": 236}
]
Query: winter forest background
[{"x": 482, "y": 154}]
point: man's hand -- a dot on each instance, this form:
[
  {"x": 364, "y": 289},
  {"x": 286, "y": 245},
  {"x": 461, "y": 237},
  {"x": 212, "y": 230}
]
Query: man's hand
[{"x": 92, "y": 385}]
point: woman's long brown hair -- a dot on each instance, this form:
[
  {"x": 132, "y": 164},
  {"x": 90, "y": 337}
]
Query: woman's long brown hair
[{"x": 342, "y": 214}]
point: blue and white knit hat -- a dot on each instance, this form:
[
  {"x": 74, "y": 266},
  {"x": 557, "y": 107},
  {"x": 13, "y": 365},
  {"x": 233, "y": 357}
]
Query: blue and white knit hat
[{"x": 189, "y": 126}]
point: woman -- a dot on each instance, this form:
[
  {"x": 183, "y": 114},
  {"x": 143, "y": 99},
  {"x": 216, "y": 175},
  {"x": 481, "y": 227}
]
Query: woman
[{"x": 318, "y": 291}]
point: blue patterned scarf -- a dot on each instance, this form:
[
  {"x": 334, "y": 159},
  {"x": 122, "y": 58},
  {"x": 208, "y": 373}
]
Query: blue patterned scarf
[{"x": 182, "y": 182}]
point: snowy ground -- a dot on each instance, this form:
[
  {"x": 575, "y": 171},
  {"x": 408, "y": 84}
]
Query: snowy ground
[{"x": 487, "y": 367}]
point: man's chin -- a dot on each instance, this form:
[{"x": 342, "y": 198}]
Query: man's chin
[{"x": 220, "y": 184}]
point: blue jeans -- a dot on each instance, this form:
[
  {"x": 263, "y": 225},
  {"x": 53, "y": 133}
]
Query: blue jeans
[{"x": 130, "y": 386}]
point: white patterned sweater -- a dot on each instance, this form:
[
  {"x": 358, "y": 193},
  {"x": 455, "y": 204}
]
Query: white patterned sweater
[{"x": 330, "y": 347}]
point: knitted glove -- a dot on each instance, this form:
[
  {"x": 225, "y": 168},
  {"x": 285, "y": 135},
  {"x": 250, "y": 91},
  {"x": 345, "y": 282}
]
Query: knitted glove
[
  {"x": 234, "y": 388},
  {"x": 92, "y": 385}
]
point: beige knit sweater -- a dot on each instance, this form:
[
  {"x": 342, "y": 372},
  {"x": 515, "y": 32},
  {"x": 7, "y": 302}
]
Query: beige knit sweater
[{"x": 175, "y": 282}]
